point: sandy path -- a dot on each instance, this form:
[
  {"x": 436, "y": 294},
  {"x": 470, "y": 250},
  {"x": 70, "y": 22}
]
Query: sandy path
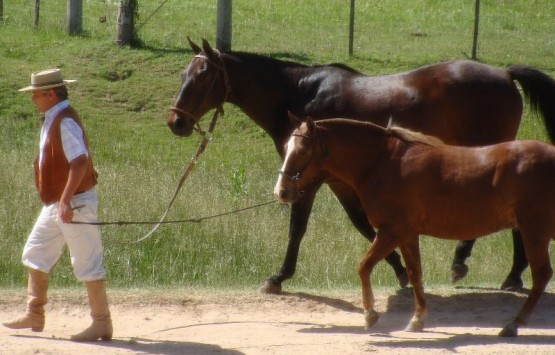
[{"x": 245, "y": 322}]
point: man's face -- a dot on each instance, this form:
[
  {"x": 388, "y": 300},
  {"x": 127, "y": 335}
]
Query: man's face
[{"x": 44, "y": 99}]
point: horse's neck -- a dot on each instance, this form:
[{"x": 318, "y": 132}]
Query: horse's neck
[
  {"x": 264, "y": 94},
  {"x": 353, "y": 148}
]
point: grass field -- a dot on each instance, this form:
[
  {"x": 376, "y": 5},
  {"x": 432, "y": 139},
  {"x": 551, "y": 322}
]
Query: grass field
[{"x": 123, "y": 95}]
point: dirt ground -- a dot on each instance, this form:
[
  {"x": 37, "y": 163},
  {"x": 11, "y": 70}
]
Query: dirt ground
[{"x": 246, "y": 322}]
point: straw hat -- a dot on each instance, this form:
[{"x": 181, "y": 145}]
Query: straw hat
[{"x": 46, "y": 79}]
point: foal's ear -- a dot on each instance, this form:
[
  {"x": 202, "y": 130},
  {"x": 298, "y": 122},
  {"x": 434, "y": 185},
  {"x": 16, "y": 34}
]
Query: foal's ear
[
  {"x": 294, "y": 119},
  {"x": 196, "y": 49}
]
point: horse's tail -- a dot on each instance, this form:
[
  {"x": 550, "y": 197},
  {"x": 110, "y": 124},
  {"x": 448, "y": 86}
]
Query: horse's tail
[{"x": 539, "y": 90}]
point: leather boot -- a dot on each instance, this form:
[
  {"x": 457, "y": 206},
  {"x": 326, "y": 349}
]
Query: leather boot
[
  {"x": 101, "y": 327},
  {"x": 36, "y": 299}
]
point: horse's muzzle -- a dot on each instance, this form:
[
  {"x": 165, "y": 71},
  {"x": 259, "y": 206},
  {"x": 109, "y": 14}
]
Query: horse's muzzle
[
  {"x": 179, "y": 125},
  {"x": 287, "y": 195}
]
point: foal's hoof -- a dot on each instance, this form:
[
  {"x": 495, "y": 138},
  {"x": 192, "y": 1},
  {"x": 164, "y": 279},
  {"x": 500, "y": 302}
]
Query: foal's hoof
[
  {"x": 458, "y": 272},
  {"x": 371, "y": 317},
  {"x": 510, "y": 330},
  {"x": 512, "y": 284},
  {"x": 415, "y": 326},
  {"x": 403, "y": 279},
  {"x": 270, "y": 287}
]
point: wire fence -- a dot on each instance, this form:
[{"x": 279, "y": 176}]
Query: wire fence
[{"x": 383, "y": 29}]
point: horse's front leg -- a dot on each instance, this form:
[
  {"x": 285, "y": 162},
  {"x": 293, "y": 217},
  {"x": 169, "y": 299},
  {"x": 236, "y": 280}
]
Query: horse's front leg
[
  {"x": 383, "y": 244},
  {"x": 300, "y": 212},
  {"x": 351, "y": 203},
  {"x": 411, "y": 254}
]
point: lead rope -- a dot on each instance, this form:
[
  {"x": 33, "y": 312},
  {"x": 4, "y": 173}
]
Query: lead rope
[{"x": 206, "y": 138}]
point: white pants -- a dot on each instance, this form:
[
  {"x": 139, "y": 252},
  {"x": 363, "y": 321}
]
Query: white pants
[{"x": 46, "y": 242}]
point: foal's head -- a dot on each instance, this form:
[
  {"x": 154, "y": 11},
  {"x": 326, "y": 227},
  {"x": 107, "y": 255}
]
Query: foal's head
[
  {"x": 203, "y": 87},
  {"x": 303, "y": 154}
]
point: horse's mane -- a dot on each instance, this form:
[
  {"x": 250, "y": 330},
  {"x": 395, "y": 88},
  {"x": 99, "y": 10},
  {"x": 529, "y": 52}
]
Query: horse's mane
[
  {"x": 261, "y": 59},
  {"x": 255, "y": 58},
  {"x": 401, "y": 133},
  {"x": 407, "y": 135},
  {"x": 342, "y": 66}
]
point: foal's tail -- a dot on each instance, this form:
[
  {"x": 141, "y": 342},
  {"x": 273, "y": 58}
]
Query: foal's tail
[{"x": 539, "y": 90}]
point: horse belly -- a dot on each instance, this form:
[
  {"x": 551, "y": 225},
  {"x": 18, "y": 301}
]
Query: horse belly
[{"x": 467, "y": 213}]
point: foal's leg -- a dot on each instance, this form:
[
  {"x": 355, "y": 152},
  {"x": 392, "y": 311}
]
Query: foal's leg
[
  {"x": 300, "y": 212},
  {"x": 537, "y": 252},
  {"x": 384, "y": 244},
  {"x": 411, "y": 254},
  {"x": 513, "y": 282},
  {"x": 351, "y": 203}
]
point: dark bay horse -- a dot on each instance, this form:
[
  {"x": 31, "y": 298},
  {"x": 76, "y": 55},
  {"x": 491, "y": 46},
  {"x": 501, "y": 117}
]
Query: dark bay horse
[
  {"x": 411, "y": 184},
  {"x": 462, "y": 102}
]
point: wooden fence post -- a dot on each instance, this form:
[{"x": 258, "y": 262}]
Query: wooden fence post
[
  {"x": 351, "y": 26},
  {"x": 223, "y": 25},
  {"x": 126, "y": 22},
  {"x": 476, "y": 22},
  {"x": 1, "y": 10},
  {"x": 37, "y": 11},
  {"x": 74, "y": 17}
]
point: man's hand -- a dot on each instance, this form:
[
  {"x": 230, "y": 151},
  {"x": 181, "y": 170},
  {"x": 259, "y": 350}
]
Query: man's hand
[
  {"x": 77, "y": 169},
  {"x": 65, "y": 212}
]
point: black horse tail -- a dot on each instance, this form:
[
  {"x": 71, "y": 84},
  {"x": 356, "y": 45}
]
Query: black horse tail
[{"x": 539, "y": 90}]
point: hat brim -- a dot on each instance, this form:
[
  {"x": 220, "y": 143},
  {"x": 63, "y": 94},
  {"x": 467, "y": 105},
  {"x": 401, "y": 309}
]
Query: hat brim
[{"x": 46, "y": 87}]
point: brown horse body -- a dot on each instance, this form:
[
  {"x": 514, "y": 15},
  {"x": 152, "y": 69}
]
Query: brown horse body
[
  {"x": 409, "y": 185},
  {"x": 461, "y": 102}
]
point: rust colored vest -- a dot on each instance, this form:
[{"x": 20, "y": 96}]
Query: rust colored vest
[{"x": 51, "y": 177}]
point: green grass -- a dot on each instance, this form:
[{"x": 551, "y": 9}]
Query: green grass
[{"x": 123, "y": 95}]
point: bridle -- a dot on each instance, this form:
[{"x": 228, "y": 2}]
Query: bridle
[{"x": 227, "y": 88}]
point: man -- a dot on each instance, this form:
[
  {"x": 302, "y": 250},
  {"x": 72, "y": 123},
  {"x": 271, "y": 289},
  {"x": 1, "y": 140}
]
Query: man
[{"x": 65, "y": 179}]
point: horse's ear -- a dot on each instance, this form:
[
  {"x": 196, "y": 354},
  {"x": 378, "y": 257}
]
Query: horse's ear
[
  {"x": 210, "y": 53},
  {"x": 294, "y": 119},
  {"x": 196, "y": 49}
]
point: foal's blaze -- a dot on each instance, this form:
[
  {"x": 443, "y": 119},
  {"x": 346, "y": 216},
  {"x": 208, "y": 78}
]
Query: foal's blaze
[{"x": 409, "y": 186}]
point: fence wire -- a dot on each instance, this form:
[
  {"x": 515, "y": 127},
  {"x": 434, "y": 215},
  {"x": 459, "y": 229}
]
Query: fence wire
[{"x": 384, "y": 29}]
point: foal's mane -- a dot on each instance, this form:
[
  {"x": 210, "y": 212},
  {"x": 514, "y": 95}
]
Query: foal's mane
[
  {"x": 407, "y": 135},
  {"x": 401, "y": 133}
]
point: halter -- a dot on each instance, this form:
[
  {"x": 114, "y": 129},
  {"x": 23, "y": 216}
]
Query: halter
[
  {"x": 297, "y": 177},
  {"x": 219, "y": 109}
]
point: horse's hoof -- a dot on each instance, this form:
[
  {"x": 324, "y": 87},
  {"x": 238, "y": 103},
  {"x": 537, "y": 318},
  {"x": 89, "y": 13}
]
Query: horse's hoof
[
  {"x": 403, "y": 279},
  {"x": 371, "y": 317},
  {"x": 270, "y": 287},
  {"x": 511, "y": 284},
  {"x": 510, "y": 330},
  {"x": 415, "y": 326},
  {"x": 458, "y": 272}
]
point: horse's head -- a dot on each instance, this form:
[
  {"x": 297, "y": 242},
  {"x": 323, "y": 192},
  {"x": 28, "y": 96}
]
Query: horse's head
[
  {"x": 204, "y": 86},
  {"x": 302, "y": 162}
]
